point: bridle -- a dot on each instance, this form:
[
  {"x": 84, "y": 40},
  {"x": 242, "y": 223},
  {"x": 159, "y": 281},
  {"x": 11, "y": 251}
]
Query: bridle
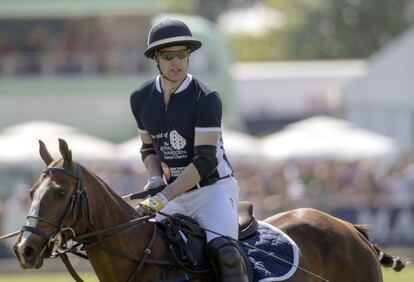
[{"x": 77, "y": 197}]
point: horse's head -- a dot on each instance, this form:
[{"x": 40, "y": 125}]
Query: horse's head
[{"x": 55, "y": 208}]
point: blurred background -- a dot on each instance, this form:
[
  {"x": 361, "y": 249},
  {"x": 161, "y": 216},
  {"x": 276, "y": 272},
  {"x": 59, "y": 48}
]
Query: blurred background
[{"x": 317, "y": 96}]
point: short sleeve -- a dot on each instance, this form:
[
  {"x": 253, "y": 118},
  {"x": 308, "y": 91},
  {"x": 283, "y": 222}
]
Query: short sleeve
[
  {"x": 209, "y": 111},
  {"x": 135, "y": 107}
]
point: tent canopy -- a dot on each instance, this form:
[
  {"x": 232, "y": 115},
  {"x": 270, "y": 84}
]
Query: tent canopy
[
  {"x": 240, "y": 146},
  {"x": 19, "y": 143},
  {"x": 326, "y": 138}
]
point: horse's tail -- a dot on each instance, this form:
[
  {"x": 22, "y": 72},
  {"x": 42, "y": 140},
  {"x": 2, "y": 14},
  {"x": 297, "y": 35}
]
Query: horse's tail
[{"x": 386, "y": 260}]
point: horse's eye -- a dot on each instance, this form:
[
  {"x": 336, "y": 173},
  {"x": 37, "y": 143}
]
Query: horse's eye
[{"x": 61, "y": 193}]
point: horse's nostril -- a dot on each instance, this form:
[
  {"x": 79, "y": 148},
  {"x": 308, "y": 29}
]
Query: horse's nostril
[{"x": 28, "y": 252}]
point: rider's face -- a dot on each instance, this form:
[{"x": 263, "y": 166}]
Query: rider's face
[{"x": 173, "y": 62}]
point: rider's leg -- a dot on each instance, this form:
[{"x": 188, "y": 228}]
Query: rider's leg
[
  {"x": 217, "y": 211},
  {"x": 227, "y": 260}
]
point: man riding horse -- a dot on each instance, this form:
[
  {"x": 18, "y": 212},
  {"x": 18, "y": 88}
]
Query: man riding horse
[{"x": 179, "y": 122}]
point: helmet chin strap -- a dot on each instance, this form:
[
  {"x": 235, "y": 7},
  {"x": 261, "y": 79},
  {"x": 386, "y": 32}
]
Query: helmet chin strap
[{"x": 164, "y": 76}]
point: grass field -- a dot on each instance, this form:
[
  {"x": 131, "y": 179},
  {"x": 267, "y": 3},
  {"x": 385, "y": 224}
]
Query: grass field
[
  {"x": 33, "y": 276},
  {"x": 407, "y": 275}
]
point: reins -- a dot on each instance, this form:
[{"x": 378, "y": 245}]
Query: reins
[
  {"x": 79, "y": 196},
  {"x": 144, "y": 194},
  {"x": 82, "y": 240}
]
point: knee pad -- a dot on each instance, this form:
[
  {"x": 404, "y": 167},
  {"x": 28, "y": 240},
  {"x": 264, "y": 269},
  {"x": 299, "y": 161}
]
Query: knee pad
[{"x": 227, "y": 260}]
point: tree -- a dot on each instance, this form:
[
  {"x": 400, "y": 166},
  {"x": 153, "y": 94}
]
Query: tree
[
  {"x": 348, "y": 29},
  {"x": 327, "y": 29},
  {"x": 315, "y": 29},
  {"x": 209, "y": 9}
]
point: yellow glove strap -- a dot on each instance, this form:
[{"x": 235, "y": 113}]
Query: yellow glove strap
[{"x": 155, "y": 203}]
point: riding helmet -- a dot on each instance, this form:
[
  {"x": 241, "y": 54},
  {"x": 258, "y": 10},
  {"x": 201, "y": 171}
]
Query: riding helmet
[{"x": 170, "y": 32}]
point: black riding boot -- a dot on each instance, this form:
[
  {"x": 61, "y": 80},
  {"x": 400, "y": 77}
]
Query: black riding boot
[{"x": 227, "y": 261}]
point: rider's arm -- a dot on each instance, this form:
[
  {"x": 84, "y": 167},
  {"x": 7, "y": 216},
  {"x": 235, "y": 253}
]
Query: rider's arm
[
  {"x": 151, "y": 161},
  {"x": 190, "y": 176}
]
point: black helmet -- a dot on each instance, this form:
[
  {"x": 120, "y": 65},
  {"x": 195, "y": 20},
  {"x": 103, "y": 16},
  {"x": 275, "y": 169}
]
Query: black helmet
[{"x": 168, "y": 33}]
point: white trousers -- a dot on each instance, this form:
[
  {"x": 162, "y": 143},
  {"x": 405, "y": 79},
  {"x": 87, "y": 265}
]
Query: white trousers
[{"x": 214, "y": 207}]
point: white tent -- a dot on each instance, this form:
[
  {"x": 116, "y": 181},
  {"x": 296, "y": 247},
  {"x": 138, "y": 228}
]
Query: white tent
[
  {"x": 128, "y": 151},
  {"x": 19, "y": 143},
  {"x": 239, "y": 146},
  {"x": 326, "y": 138}
]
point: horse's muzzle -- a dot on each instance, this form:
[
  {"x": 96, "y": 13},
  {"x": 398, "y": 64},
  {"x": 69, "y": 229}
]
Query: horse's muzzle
[{"x": 30, "y": 253}]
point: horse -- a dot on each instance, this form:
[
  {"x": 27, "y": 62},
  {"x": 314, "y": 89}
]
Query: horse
[{"x": 70, "y": 200}]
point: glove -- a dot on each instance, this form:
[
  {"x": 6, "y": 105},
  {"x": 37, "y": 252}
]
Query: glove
[
  {"x": 151, "y": 205},
  {"x": 154, "y": 182}
]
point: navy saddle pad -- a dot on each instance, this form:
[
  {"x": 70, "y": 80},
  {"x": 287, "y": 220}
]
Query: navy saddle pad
[{"x": 285, "y": 254}]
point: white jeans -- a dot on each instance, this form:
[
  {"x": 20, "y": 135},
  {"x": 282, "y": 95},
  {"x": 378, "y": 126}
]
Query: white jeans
[{"x": 214, "y": 207}]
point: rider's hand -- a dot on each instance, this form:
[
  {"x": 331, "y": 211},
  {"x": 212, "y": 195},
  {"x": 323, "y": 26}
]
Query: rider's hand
[
  {"x": 151, "y": 205},
  {"x": 144, "y": 211},
  {"x": 154, "y": 182}
]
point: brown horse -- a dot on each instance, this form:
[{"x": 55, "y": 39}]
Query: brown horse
[{"x": 70, "y": 200}]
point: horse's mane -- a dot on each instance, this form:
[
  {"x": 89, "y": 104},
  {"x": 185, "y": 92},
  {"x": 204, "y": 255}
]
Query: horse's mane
[
  {"x": 108, "y": 188},
  {"x": 103, "y": 182}
]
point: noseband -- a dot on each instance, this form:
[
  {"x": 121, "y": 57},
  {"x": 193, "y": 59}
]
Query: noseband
[{"x": 75, "y": 199}]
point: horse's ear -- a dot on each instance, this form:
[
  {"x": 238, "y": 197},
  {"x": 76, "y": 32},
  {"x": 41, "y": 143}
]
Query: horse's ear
[
  {"x": 44, "y": 153},
  {"x": 65, "y": 152}
]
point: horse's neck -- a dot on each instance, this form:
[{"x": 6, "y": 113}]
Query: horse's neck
[
  {"x": 106, "y": 208},
  {"x": 112, "y": 260}
]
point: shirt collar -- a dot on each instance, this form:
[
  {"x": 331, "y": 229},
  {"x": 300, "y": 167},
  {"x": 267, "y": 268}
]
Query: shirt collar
[{"x": 186, "y": 82}]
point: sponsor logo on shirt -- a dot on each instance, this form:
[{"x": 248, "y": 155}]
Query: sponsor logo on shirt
[
  {"x": 172, "y": 146},
  {"x": 176, "y": 140}
]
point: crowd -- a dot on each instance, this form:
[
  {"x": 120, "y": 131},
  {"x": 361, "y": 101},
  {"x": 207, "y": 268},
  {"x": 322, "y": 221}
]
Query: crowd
[
  {"x": 66, "y": 47},
  {"x": 327, "y": 185},
  {"x": 275, "y": 187},
  {"x": 271, "y": 187}
]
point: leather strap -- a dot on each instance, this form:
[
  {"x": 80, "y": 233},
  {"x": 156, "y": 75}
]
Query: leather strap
[
  {"x": 35, "y": 231},
  {"x": 185, "y": 277},
  {"x": 70, "y": 268},
  {"x": 147, "y": 252},
  {"x": 209, "y": 181}
]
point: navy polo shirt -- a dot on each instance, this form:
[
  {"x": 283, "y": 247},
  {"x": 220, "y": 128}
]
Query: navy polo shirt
[{"x": 194, "y": 106}]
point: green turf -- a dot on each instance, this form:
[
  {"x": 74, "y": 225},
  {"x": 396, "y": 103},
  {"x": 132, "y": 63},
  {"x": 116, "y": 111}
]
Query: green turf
[
  {"x": 407, "y": 275},
  {"x": 32, "y": 276}
]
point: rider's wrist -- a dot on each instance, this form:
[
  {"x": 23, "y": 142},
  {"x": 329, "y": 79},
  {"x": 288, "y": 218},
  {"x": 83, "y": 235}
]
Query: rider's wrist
[
  {"x": 155, "y": 178},
  {"x": 162, "y": 198}
]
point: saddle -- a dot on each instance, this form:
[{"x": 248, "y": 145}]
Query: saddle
[
  {"x": 188, "y": 241},
  {"x": 247, "y": 223}
]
